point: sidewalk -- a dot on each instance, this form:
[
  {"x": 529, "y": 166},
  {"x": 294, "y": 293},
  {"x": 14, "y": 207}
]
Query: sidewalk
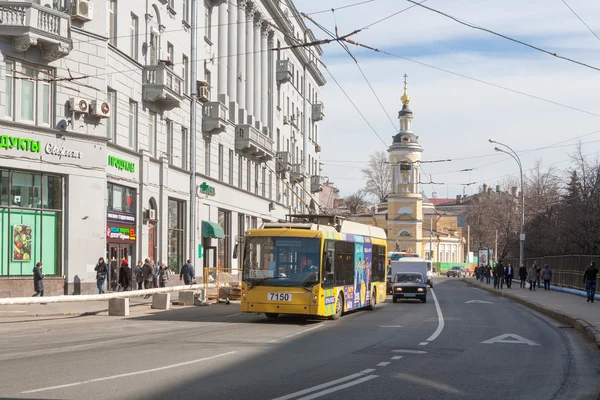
[
  {"x": 70, "y": 309},
  {"x": 568, "y": 308}
]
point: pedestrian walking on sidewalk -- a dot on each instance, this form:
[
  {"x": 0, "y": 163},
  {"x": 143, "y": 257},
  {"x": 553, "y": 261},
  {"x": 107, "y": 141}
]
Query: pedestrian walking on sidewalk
[
  {"x": 488, "y": 274},
  {"x": 163, "y": 275},
  {"x": 500, "y": 273},
  {"x": 523, "y": 275},
  {"x": 509, "y": 273},
  {"x": 187, "y": 273},
  {"x": 139, "y": 275},
  {"x": 154, "y": 274},
  {"x": 125, "y": 276},
  {"x": 546, "y": 276},
  {"x": 539, "y": 270},
  {"x": 533, "y": 275},
  {"x": 589, "y": 278},
  {"x": 148, "y": 274},
  {"x": 101, "y": 271},
  {"x": 38, "y": 280}
]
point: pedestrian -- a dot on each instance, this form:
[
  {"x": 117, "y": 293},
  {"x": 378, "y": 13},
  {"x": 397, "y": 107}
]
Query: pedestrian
[
  {"x": 187, "y": 273},
  {"x": 38, "y": 280},
  {"x": 163, "y": 275},
  {"x": 509, "y": 273},
  {"x": 113, "y": 274},
  {"x": 101, "y": 271},
  {"x": 139, "y": 275},
  {"x": 495, "y": 277},
  {"x": 589, "y": 278},
  {"x": 500, "y": 272},
  {"x": 488, "y": 274},
  {"x": 533, "y": 275},
  {"x": 148, "y": 275},
  {"x": 125, "y": 275},
  {"x": 155, "y": 271},
  {"x": 546, "y": 276},
  {"x": 523, "y": 275},
  {"x": 539, "y": 270},
  {"x": 481, "y": 273}
]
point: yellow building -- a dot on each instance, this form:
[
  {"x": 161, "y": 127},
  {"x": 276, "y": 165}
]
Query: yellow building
[{"x": 412, "y": 222}]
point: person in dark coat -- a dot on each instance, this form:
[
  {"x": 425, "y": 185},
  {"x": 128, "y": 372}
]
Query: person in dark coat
[
  {"x": 38, "y": 280},
  {"x": 187, "y": 273},
  {"x": 546, "y": 276},
  {"x": 139, "y": 275},
  {"x": 500, "y": 274},
  {"x": 523, "y": 276},
  {"x": 125, "y": 275},
  {"x": 589, "y": 278},
  {"x": 101, "y": 271},
  {"x": 148, "y": 275},
  {"x": 509, "y": 273}
]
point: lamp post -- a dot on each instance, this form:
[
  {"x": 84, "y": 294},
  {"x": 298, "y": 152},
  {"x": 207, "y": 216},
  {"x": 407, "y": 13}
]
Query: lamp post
[{"x": 515, "y": 156}]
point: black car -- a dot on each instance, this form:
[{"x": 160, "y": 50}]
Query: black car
[
  {"x": 409, "y": 285},
  {"x": 456, "y": 272}
]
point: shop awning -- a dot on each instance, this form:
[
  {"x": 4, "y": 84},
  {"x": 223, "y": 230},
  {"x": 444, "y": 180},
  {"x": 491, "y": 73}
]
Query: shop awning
[{"x": 212, "y": 230}]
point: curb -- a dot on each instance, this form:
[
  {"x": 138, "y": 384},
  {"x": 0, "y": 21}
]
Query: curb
[
  {"x": 581, "y": 325},
  {"x": 85, "y": 314}
]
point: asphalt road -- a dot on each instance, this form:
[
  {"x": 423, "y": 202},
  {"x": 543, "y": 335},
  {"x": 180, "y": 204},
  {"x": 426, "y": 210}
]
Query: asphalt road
[{"x": 476, "y": 346}]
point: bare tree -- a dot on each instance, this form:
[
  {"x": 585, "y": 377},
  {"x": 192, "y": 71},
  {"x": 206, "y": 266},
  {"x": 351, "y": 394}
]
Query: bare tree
[
  {"x": 356, "y": 202},
  {"x": 378, "y": 175}
]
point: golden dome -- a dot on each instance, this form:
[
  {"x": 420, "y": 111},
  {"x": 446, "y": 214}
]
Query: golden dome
[{"x": 405, "y": 97}]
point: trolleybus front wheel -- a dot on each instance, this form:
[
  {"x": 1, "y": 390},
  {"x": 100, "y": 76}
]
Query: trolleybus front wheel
[{"x": 339, "y": 307}]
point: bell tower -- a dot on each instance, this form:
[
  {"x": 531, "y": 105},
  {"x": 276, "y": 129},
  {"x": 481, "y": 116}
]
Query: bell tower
[{"x": 405, "y": 202}]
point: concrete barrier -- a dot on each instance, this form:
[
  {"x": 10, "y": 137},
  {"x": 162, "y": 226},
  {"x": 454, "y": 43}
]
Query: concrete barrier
[
  {"x": 161, "y": 301},
  {"x": 118, "y": 307},
  {"x": 96, "y": 297},
  {"x": 186, "y": 298}
]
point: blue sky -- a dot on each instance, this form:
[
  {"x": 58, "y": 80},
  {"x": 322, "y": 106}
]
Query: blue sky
[{"x": 455, "y": 116}]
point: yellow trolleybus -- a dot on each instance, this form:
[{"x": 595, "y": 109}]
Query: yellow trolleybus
[{"x": 318, "y": 265}]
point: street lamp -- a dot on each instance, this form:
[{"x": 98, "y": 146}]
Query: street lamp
[{"x": 515, "y": 156}]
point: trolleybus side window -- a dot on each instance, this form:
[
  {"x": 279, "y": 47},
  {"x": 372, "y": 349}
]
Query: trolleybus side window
[
  {"x": 344, "y": 263},
  {"x": 328, "y": 264}
]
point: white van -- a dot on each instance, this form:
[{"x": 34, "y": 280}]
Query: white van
[{"x": 412, "y": 265}]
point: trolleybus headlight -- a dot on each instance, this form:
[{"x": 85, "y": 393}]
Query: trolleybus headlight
[{"x": 315, "y": 299}]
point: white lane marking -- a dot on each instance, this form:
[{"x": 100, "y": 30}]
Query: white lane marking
[
  {"x": 409, "y": 351},
  {"x": 516, "y": 339},
  {"x": 440, "y": 319},
  {"x": 396, "y": 357},
  {"x": 232, "y": 315},
  {"x": 296, "y": 334},
  {"x": 423, "y": 343},
  {"x": 383, "y": 364},
  {"x": 338, "y": 388},
  {"x": 106, "y": 378},
  {"x": 324, "y": 385},
  {"x": 390, "y": 326},
  {"x": 477, "y": 302}
]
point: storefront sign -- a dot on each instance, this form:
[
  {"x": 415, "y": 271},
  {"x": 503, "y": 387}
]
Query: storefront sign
[
  {"x": 121, "y": 164},
  {"x": 11, "y": 142},
  {"x": 120, "y": 233},
  {"x": 120, "y": 217},
  {"x": 61, "y": 152},
  {"x": 206, "y": 189}
]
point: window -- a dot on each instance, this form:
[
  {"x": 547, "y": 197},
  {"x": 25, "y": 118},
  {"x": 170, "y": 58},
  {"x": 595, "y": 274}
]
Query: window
[
  {"x": 172, "y": 4},
  {"x": 170, "y": 54},
  {"x": 121, "y": 198},
  {"x": 241, "y": 224},
  {"x": 278, "y": 140},
  {"x": 35, "y": 95},
  {"x": 207, "y": 19},
  {"x": 184, "y": 148},
  {"x": 134, "y": 39},
  {"x": 33, "y": 203},
  {"x": 186, "y": 77},
  {"x": 264, "y": 182},
  {"x": 344, "y": 263},
  {"x": 186, "y": 11},
  {"x": 240, "y": 170},
  {"x": 270, "y": 184},
  {"x": 170, "y": 142},
  {"x": 221, "y": 162},
  {"x": 112, "y": 22},
  {"x": 111, "y": 122},
  {"x": 207, "y": 157},
  {"x": 175, "y": 235},
  {"x": 133, "y": 124},
  {"x": 378, "y": 264},
  {"x": 208, "y": 80},
  {"x": 256, "y": 176},
  {"x": 249, "y": 176},
  {"x": 231, "y": 167},
  {"x": 224, "y": 244},
  {"x": 152, "y": 132}
]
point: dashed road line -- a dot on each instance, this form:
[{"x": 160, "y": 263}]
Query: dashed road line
[
  {"x": 331, "y": 383},
  {"x": 383, "y": 364},
  {"x": 296, "y": 334},
  {"x": 396, "y": 358},
  {"x": 423, "y": 343}
]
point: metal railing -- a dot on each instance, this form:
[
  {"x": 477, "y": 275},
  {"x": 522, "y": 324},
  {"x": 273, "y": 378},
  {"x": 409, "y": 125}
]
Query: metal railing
[{"x": 226, "y": 282}]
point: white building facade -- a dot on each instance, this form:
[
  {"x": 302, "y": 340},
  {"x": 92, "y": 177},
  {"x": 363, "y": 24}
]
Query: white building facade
[{"x": 95, "y": 159}]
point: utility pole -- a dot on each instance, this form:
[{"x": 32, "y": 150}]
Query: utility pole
[
  {"x": 431, "y": 238},
  {"x": 468, "y": 243},
  {"x": 194, "y": 55},
  {"x": 496, "y": 248}
]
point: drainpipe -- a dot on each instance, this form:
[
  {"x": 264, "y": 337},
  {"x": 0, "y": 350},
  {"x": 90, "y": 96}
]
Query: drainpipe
[{"x": 192, "y": 160}]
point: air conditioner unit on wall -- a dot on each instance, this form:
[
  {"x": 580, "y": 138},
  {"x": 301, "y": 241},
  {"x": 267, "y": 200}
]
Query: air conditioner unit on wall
[
  {"x": 79, "y": 105},
  {"x": 100, "y": 109},
  {"x": 151, "y": 215},
  {"x": 82, "y": 10}
]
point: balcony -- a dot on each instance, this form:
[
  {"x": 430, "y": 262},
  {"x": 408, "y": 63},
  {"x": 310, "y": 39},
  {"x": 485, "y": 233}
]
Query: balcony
[
  {"x": 284, "y": 71},
  {"x": 251, "y": 143},
  {"x": 31, "y": 24},
  {"x": 315, "y": 184},
  {"x": 318, "y": 111},
  {"x": 214, "y": 119},
  {"x": 298, "y": 173},
  {"x": 162, "y": 87},
  {"x": 284, "y": 161}
]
